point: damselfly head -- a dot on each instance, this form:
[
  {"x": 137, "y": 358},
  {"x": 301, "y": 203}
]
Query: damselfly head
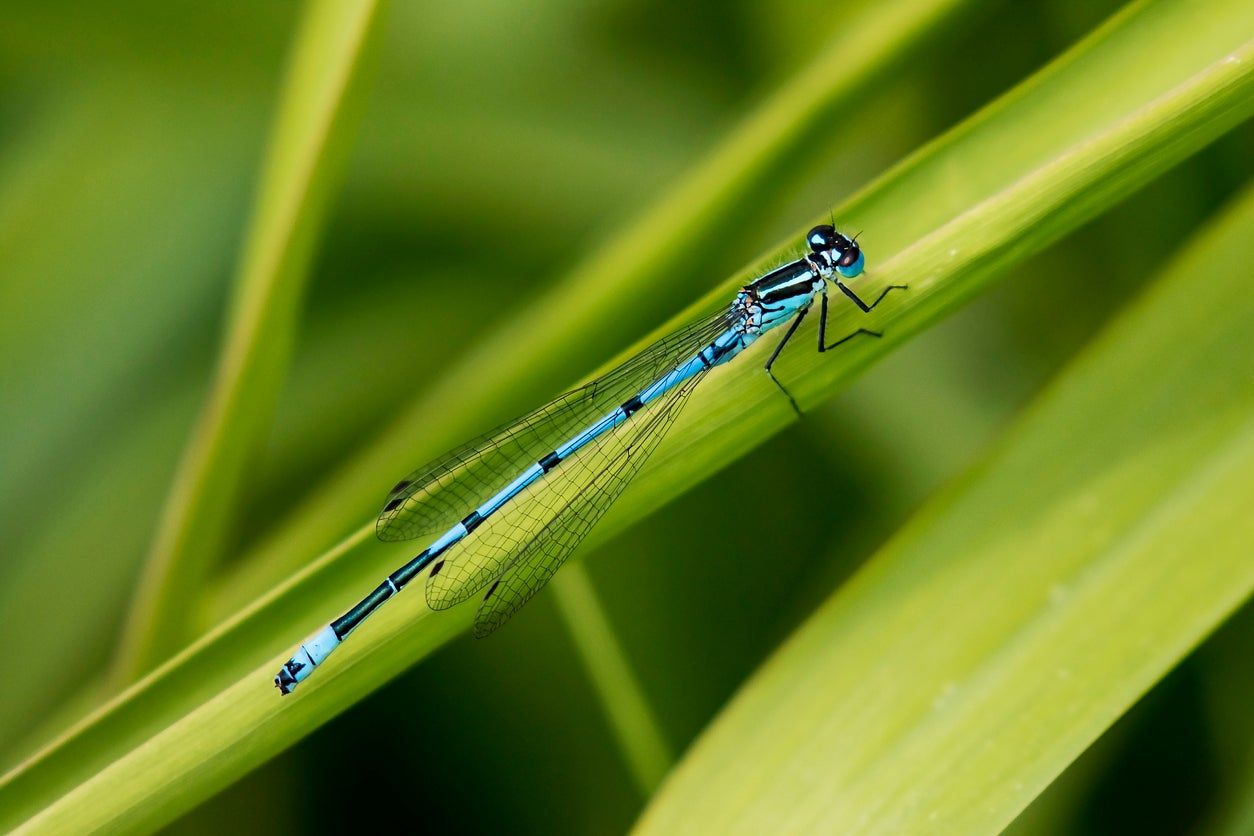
[{"x": 845, "y": 253}]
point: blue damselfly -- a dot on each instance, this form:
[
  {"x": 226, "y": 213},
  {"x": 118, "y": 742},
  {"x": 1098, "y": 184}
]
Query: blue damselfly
[{"x": 511, "y": 506}]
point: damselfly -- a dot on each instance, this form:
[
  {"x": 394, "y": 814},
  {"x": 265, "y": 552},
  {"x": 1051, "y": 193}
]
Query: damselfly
[{"x": 515, "y": 503}]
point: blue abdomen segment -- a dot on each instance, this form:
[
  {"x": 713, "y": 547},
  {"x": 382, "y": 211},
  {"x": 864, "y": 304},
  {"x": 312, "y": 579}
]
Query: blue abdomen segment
[
  {"x": 722, "y": 349},
  {"x": 311, "y": 653}
]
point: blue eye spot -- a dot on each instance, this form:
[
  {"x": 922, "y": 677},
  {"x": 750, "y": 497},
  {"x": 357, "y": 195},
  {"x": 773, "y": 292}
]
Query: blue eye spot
[{"x": 849, "y": 271}]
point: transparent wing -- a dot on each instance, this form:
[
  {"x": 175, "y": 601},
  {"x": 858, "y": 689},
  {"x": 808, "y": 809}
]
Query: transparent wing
[
  {"x": 435, "y": 497},
  {"x": 481, "y": 558},
  {"x": 594, "y": 486}
]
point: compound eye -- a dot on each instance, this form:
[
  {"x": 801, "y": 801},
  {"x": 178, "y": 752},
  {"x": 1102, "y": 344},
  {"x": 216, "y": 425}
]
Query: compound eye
[
  {"x": 850, "y": 263},
  {"x": 821, "y": 238}
]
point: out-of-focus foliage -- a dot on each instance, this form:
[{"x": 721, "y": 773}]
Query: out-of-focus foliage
[{"x": 500, "y": 143}]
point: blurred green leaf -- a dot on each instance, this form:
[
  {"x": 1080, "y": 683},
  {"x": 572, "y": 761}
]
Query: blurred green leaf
[
  {"x": 636, "y": 728},
  {"x": 969, "y": 663},
  {"x": 305, "y": 156},
  {"x": 1230, "y": 685},
  {"x": 101, "y": 321},
  {"x": 51, "y": 226},
  {"x": 1238, "y": 818},
  {"x": 1043, "y": 160}
]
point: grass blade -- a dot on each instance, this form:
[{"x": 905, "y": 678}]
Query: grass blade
[
  {"x": 635, "y": 727},
  {"x": 969, "y": 663},
  {"x": 302, "y": 166}
]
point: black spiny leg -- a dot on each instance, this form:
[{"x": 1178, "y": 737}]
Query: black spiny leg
[
  {"x": 787, "y": 336},
  {"x": 823, "y": 344},
  {"x": 863, "y": 305}
]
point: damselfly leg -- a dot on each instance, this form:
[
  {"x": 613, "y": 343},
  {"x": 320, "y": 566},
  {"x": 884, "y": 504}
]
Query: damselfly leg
[
  {"x": 823, "y": 344},
  {"x": 792, "y": 329},
  {"x": 857, "y": 300},
  {"x": 826, "y": 346}
]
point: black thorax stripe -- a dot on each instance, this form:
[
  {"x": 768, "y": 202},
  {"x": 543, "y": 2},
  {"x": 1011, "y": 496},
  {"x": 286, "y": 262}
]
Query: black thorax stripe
[{"x": 788, "y": 281}]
